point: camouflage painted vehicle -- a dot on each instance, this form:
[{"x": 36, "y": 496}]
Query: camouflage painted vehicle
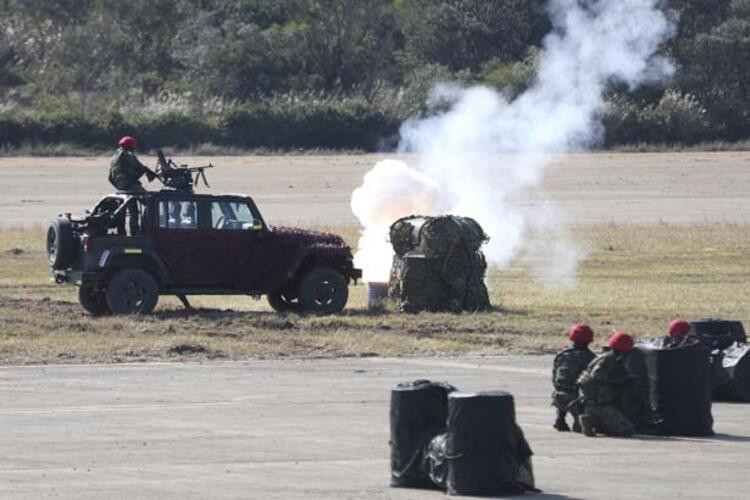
[{"x": 132, "y": 247}]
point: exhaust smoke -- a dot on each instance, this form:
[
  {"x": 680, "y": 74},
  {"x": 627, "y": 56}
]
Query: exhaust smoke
[{"x": 475, "y": 158}]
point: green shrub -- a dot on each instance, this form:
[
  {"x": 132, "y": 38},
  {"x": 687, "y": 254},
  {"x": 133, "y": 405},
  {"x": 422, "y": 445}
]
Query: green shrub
[{"x": 675, "y": 119}]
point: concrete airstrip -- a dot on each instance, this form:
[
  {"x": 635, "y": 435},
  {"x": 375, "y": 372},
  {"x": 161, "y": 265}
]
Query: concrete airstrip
[{"x": 319, "y": 429}]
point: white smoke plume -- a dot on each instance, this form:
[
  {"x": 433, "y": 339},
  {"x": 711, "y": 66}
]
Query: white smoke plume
[{"x": 476, "y": 158}]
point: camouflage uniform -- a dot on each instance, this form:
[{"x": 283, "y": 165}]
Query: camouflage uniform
[
  {"x": 602, "y": 384},
  {"x": 125, "y": 170},
  {"x": 567, "y": 367}
]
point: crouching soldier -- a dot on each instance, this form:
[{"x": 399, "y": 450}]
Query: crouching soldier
[
  {"x": 567, "y": 367},
  {"x": 678, "y": 332},
  {"x": 601, "y": 385}
]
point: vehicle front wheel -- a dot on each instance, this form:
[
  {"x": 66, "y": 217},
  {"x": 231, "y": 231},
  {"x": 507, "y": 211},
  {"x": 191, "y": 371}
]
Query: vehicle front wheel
[
  {"x": 281, "y": 302},
  {"x": 94, "y": 302},
  {"x": 323, "y": 291},
  {"x": 132, "y": 291}
]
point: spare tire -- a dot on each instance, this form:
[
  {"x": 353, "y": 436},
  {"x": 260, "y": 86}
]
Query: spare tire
[{"x": 60, "y": 248}]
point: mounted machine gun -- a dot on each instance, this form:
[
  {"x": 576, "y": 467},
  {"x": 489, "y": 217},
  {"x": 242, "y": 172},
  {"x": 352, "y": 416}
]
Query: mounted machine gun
[{"x": 179, "y": 177}]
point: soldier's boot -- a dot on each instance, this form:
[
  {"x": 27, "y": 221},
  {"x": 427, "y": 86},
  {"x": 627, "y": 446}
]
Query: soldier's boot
[
  {"x": 560, "y": 424},
  {"x": 587, "y": 426},
  {"x": 577, "y": 424}
]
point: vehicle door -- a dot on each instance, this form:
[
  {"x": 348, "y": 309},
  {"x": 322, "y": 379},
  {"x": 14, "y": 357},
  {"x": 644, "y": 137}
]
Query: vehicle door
[
  {"x": 179, "y": 234},
  {"x": 234, "y": 234}
]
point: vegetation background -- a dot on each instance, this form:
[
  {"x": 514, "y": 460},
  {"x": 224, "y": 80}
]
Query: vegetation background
[{"x": 333, "y": 74}]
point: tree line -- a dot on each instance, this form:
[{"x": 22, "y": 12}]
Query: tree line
[{"x": 326, "y": 73}]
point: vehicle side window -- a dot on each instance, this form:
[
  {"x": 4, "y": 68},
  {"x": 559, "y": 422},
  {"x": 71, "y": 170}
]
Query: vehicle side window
[
  {"x": 178, "y": 215},
  {"x": 231, "y": 215}
]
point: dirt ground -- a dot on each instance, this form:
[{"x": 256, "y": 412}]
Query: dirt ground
[{"x": 596, "y": 188}]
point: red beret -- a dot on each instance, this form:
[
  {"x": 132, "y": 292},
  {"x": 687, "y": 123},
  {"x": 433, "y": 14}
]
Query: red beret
[
  {"x": 581, "y": 333},
  {"x": 621, "y": 342},
  {"x": 678, "y": 327}
]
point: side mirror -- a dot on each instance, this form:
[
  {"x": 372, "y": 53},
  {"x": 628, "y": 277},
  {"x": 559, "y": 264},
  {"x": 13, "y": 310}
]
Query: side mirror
[{"x": 256, "y": 225}]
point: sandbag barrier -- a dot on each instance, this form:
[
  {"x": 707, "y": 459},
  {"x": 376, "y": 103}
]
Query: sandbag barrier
[
  {"x": 717, "y": 333},
  {"x": 462, "y": 443},
  {"x": 734, "y": 363},
  {"x": 438, "y": 264},
  {"x": 419, "y": 411},
  {"x": 730, "y": 360},
  {"x": 679, "y": 386}
]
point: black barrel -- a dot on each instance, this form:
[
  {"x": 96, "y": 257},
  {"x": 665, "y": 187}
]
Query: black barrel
[
  {"x": 736, "y": 364},
  {"x": 419, "y": 411},
  {"x": 681, "y": 388},
  {"x": 483, "y": 445}
]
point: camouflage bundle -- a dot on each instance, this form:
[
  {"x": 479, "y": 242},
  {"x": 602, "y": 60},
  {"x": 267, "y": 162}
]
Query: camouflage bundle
[{"x": 438, "y": 264}]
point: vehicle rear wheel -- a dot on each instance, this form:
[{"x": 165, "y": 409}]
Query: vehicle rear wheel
[
  {"x": 323, "y": 291},
  {"x": 93, "y": 301},
  {"x": 132, "y": 291},
  {"x": 60, "y": 244},
  {"x": 281, "y": 302}
]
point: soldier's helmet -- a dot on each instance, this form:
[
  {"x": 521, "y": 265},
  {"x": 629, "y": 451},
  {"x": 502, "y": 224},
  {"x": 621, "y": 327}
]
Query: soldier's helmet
[
  {"x": 621, "y": 342},
  {"x": 581, "y": 334},
  {"x": 128, "y": 142},
  {"x": 678, "y": 327}
]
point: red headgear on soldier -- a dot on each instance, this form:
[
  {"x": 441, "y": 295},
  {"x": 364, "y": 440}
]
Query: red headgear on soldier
[
  {"x": 581, "y": 333},
  {"x": 678, "y": 327},
  {"x": 621, "y": 342},
  {"x": 128, "y": 142}
]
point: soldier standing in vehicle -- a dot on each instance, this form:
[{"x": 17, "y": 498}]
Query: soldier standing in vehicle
[
  {"x": 602, "y": 384},
  {"x": 126, "y": 170},
  {"x": 567, "y": 367}
]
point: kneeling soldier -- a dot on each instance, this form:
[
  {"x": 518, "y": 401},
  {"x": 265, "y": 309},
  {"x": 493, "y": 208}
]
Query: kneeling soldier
[
  {"x": 601, "y": 384},
  {"x": 566, "y": 369}
]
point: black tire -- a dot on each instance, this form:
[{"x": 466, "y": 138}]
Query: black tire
[
  {"x": 94, "y": 302},
  {"x": 323, "y": 291},
  {"x": 60, "y": 249},
  {"x": 132, "y": 291},
  {"x": 281, "y": 302}
]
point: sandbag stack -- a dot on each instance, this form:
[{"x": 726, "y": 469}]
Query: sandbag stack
[
  {"x": 487, "y": 453},
  {"x": 462, "y": 443},
  {"x": 730, "y": 361},
  {"x": 735, "y": 363},
  {"x": 680, "y": 386},
  {"x": 438, "y": 264},
  {"x": 718, "y": 333},
  {"x": 419, "y": 411}
]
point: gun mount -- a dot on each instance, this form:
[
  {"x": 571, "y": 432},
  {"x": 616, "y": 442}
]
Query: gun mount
[{"x": 179, "y": 177}]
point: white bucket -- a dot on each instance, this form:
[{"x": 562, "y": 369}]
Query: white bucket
[{"x": 376, "y": 294}]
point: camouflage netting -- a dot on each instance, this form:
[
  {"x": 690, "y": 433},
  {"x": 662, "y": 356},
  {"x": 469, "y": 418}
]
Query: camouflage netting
[{"x": 438, "y": 264}]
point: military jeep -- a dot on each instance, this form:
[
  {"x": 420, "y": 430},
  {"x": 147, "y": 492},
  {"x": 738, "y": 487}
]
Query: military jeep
[{"x": 132, "y": 247}]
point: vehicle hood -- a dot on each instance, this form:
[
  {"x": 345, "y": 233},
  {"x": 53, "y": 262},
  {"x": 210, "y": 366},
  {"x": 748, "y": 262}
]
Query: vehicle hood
[{"x": 305, "y": 237}]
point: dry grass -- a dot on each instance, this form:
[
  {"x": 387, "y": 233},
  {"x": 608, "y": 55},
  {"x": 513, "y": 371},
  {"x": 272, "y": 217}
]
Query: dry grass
[{"x": 634, "y": 278}]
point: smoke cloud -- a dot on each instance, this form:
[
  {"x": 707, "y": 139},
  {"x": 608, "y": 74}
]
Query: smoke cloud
[{"x": 484, "y": 150}]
